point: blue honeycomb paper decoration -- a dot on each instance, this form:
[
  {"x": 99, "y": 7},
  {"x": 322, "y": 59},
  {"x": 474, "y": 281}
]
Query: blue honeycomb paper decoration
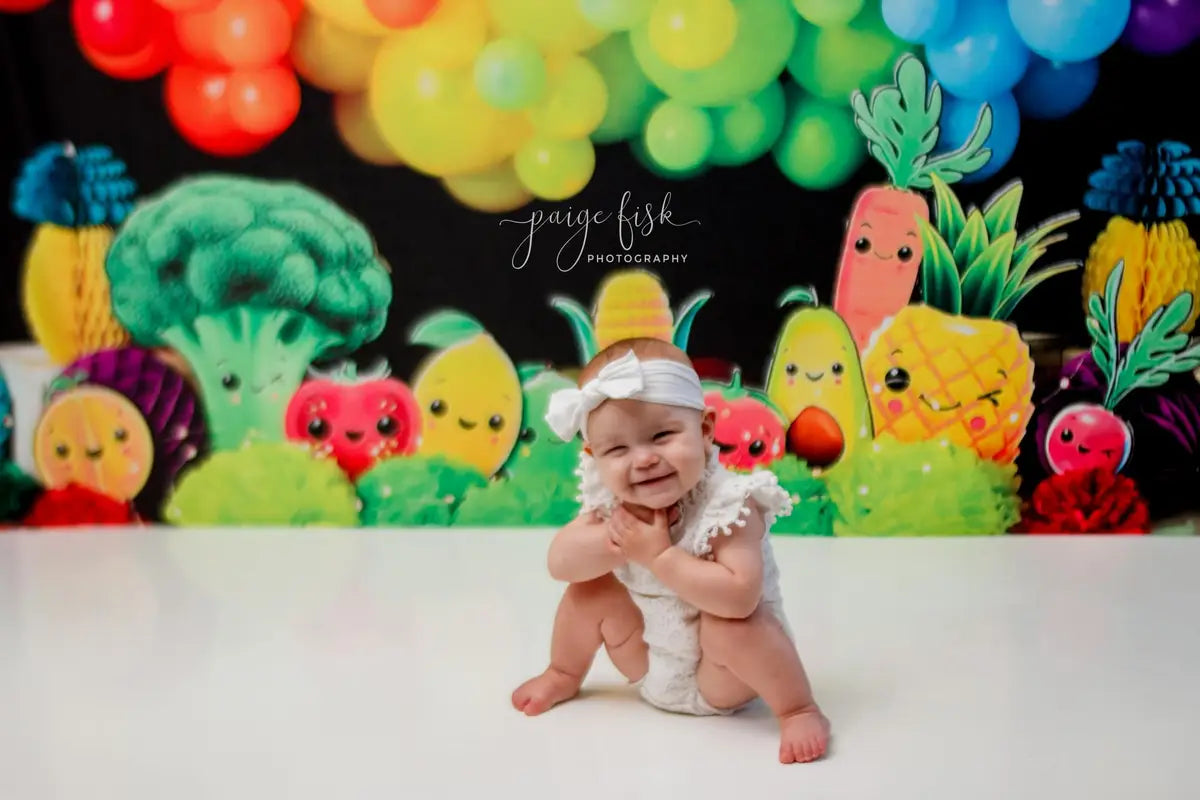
[
  {"x": 64, "y": 186},
  {"x": 1146, "y": 184}
]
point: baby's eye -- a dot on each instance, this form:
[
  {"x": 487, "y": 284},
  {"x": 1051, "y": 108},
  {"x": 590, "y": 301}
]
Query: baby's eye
[
  {"x": 615, "y": 451},
  {"x": 658, "y": 437}
]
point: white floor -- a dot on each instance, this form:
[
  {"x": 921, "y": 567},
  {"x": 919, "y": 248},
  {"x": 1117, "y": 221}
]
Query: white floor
[{"x": 372, "y": 664}]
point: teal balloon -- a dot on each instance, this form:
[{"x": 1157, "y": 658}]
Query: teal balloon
[
  {"x": 615, "y": 15},
  {"x": 637, "y": 146},
  {"x": 832, "y": 63},
  {"x": 678, "y": 136},
  {"x": 819, "y": 148},
  {"x": 747, "y": 130},
  {"x": 631, "y": 95},
  {"x": 510, "y": 74},
  {"x": 765, "y": 36}
]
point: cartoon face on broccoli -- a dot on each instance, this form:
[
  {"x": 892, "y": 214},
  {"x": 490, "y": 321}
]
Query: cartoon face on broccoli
[{"x": 250, "y": 281}]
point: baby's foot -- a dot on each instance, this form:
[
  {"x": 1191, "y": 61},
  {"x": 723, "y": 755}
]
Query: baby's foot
[
  {"x": 547, "y": 690},
  {"x": 804, "y": 735}
]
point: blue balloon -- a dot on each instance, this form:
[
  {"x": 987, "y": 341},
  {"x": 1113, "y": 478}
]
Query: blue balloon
[
  {"x": 1069, "y": 30},
  {"x": 1052, "y": 91},
  {"x": 919, "y": 21},
  {"x": 981, "y": 55},
  {"x": 958, "y": 122}
]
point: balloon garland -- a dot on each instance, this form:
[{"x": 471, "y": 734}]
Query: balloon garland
[{"x": 506, "y": 100}]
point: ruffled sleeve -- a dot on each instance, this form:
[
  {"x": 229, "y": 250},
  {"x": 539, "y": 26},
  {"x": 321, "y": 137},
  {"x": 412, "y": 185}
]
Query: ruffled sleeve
[
  {"x": 593, "y": 495},
  {"x": 727, "y": 505}
]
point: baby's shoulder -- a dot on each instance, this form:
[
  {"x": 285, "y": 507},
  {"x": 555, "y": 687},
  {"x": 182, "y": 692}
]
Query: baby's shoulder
[{"x": 724, "y": 501}]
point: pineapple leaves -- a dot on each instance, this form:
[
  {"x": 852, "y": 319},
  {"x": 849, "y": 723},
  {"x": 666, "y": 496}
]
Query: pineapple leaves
[
  {"x": 973, "y": 241},
  {"x": 1157, "y": 352},
  {"x": 983, "y": 282},
  {"x": 950, "y": 216},
  {"x": 1000, "y": 212},
  {"x": 1038, "y": 238},
  {"x": 901, "y": 122},
  {"x": 1013, "y": 295},
  {"x": 940, "y": 286}
]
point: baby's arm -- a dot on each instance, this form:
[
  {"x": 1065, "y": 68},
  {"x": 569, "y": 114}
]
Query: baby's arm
[
  {"x": 581, "y": 550},
  {"x": 730, "y": 586}
]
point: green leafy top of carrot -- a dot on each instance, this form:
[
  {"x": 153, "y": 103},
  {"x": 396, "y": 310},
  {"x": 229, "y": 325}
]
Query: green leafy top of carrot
[
  {"x": 974, "y": 264},
  {"x": 901, "y": 126},
  {"x": 1155, "y": 354}
]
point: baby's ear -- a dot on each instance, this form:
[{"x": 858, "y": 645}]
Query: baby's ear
[{"x": 708, "y": 425}]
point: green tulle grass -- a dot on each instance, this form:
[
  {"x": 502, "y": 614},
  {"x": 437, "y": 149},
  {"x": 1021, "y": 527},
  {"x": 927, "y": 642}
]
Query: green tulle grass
[
  {"x": 18, "y": 491},
  {"x": 264, "y": 483},
  {"x": 532, "y": 497},
  {"x": 923, "y": 489},
  {"x": 417, "y": 490},
  {"x": 812, "y": 510}
]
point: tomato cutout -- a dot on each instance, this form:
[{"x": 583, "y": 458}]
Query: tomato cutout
[{"x": 357, "y": 419}]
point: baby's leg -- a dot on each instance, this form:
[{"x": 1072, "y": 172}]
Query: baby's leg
[
  {"x": 742, "y": 658},
  {"x": 596, "y": 612}
]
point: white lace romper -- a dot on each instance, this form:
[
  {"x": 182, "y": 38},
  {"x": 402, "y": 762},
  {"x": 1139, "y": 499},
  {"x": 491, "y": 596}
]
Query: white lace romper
[{"x": 672, "y": 626}]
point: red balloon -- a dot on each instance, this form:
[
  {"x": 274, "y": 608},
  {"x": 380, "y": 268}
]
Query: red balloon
[
  {"x": 153, "y": 58},
  {"x": 295, "y": 9},
  {"x": 115, "y": 27},
  {"x": 251, "y": 33},
  {"x": 264, "y": 100},
  {"x": 180, "y": 6},
  {"x": 198, "y": 104},
  {"x": 19, "y": 6},
  {"x": 401, "y": 13}
]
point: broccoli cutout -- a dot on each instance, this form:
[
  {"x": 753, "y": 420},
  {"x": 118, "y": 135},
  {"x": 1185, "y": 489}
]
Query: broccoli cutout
[
  {"x": 250, "y": 281},
  {"x": 415, "y": 490},
  {"x": 264, "y": 483}
]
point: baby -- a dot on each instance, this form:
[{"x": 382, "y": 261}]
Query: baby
[{"x": 669, "y": 563}]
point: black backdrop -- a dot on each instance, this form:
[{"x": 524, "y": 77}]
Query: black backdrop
[{"x": 758, "y": 232}]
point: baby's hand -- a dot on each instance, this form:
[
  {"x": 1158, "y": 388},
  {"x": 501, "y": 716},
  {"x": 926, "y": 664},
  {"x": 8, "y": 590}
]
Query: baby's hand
[{"x": 640, "y": 541}]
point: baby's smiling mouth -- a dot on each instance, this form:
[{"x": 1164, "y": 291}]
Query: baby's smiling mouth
[
  {"x": 936, "y": 406},
  {"x": 653, "y": 481}
]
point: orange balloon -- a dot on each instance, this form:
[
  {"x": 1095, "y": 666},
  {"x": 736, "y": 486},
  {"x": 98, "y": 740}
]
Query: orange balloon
[
  {"x": 295, "y": 9},
  {"x": 251, "y": 33},
  {"x": 401, "y": 13},
  {"x": 196, "y": 33},
  {"x": 265, "y": 100},
  {"x": 153, "y": 57},
  {"x": 198, "y": 104},
  {"x": 358, "y": 131}
]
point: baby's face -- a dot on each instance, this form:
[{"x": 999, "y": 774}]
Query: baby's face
[{"x": 649, "y": 454}]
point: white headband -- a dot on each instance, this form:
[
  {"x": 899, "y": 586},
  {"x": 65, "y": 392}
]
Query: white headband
[{"x": 654, "y": 381}]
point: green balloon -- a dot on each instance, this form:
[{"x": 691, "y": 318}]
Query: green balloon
[
  {"x": 510, "y": 73},
  {"x": 819, "y": 147},
  {"x": 637, "y": 146},
  {"x": 678, "y": 136},
  {"x": 615, "y": 15},
  {"x": 832, "y": 62},
  {"x": 747, "y": 130},
  {"x": 765, "y": 36},
  {"x": 631, "y": 95},
  {"x": 828, "y": 13}
]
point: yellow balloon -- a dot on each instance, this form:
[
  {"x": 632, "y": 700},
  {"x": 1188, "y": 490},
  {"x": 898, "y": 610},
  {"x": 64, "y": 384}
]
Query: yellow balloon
[
  {"x": 449, "y": 37},
  {"x": 331, "y": 57},
  {"x": 692, "y": 34},
  {"x": 433, "y": 117},
  {"x": 495, "y": 191},
  {"x": 555, "y": 169},
  {"x": 352, "y": 15},
  {"x": 555, "y": 25},
  {"x": 357, "y": 129},
  {"x": 576, "y": 100}
]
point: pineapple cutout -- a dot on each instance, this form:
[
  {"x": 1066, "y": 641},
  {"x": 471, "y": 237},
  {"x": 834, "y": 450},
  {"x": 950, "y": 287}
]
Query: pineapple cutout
[
  {"x": 630, "y": 304},
  {"x": 76, "y": 198},
  {"x": 953, "y": 368},
  {"x": 1160, "y": 259},
  {"x": 1092, "y": 436}
]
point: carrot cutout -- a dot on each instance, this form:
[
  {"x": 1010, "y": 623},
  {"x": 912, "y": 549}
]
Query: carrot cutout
[{"x": 882, "y": 252}]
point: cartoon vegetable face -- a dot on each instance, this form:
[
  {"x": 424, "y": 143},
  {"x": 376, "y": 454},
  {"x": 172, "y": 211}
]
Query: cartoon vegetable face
[
  {"x": 250, "y": 281},
  {"x": 816, "y": 380},
  {"x": 95, "y": 437},
  {"x": 358, "y": 419},
  {"x": 538, "y": 449},
  {"x": 749, "y": 429},
  {"x": 469, "y": 393},
  {"x": 883, "y": 250},
  {"x": 1090, "y": 435}
]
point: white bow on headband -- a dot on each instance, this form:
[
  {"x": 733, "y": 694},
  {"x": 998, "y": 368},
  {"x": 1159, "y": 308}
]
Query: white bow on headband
[{"x": 654, "y": 381}]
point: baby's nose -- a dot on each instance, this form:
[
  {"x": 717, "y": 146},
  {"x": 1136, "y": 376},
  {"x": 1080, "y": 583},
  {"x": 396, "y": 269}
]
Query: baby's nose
[{"x": 646, "y": 458}]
